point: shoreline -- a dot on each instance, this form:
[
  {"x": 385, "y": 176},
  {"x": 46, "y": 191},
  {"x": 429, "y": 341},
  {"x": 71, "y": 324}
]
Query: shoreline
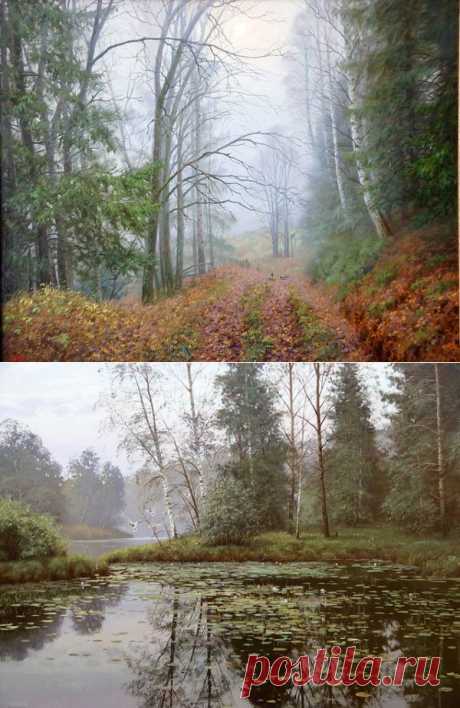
[{"x": 432, "y": 558}]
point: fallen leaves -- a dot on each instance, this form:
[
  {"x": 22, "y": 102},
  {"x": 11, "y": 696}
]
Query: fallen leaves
[
  {"x": 412, "y": 315},
  {"x": 405, "y": 309}
]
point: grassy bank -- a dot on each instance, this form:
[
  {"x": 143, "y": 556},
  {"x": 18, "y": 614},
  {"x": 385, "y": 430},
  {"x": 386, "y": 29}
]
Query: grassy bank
[
  {"x": 431, "y": 556},
  {"x": 59, "y": 568},
  {"x": 82, "y": 532}
]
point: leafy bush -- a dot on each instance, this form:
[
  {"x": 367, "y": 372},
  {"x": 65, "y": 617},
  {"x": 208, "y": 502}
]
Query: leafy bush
[
  {"x": 229, "y": 516},
  {"x": 25, "y": 535}
]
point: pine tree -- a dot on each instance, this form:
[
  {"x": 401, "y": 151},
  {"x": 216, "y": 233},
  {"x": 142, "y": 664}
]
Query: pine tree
[
  {"x": 356, "y": 483},
  {"x": 425, "y": 435},
  {"x": 249, "y": 417}
]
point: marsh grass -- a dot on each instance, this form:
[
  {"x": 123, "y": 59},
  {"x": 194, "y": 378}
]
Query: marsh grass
[
  {"x": 58, "y": 568},
  {"x": 432, "y": 557}
]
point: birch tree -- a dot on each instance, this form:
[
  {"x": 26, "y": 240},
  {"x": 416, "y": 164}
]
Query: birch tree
[{"x": 136, "y": 407}]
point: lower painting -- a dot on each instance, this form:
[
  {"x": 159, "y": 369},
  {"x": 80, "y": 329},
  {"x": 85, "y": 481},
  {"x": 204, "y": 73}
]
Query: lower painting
[{"x": 229, "y": 535}]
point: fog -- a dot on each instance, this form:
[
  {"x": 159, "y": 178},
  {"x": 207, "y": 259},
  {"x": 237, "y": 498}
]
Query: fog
[{"x": 63, "y": 403}]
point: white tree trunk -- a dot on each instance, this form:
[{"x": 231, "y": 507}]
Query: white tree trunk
[
  {"x": 335, "y": 141},
  {"x": 377, "y": 218},
  {"x": 169, "y": 510},
  {"x": 196, "y": 440}
]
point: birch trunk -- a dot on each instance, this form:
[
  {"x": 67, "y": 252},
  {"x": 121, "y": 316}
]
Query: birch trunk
[
  {"x": 335, "y": 141},
  {"x": 380, "y": 223},
  {"x": 195, "y": 432},
  {"x": 440, "y": 456},
  {"x": 168, "y": 506}
]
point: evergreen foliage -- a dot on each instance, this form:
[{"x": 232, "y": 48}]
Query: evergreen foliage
[
  {"x": 252, "y": 424},
  {"x": 390, "y": 154},
  {"x": 413, "y": 499},
  {"x": 356, "y": 485}
]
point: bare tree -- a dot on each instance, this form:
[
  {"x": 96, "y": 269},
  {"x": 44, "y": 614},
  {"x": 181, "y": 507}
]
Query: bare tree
[{"x": 320, "y": 406}]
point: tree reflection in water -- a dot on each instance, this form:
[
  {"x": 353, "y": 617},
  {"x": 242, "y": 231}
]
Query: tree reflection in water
[
  {"x": 186, "y": 665},
  {"x": 200, "y": 643}
]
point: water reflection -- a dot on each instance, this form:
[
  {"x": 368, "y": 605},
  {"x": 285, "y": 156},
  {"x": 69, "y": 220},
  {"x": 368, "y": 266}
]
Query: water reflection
[
  {"x": 186, "y": 667},
  {"x": 181, "y": 635}
]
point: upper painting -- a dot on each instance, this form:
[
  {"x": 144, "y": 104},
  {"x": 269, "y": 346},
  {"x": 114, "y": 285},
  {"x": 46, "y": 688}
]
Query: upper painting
[{"x": 238, "y": 180}]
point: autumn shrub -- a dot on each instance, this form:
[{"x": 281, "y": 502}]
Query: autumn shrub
[
  {"x": 25, "y": 535},
  {"x": 57, "y": 325},
  {"x": 406, "y": 307}
]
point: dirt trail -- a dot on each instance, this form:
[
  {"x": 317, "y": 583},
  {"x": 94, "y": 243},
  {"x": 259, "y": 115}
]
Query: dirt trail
[
  {"x": 222, "y": 328},
  {"x": 269, "y": 315}
]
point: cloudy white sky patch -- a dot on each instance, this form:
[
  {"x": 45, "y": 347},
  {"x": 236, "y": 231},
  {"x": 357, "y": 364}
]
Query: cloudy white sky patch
[{"x": 62, "y": 402}]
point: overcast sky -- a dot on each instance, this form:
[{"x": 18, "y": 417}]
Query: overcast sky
[{"x": 62, "y": 402}]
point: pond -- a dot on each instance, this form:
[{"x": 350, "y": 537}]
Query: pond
[
  {"x": 94, "y": 549},
  {"x": 179, "y": 635}
]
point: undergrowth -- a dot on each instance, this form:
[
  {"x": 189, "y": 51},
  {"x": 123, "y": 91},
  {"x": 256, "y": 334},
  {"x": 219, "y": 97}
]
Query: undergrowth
[
  {"x": 406, "y": 307},
  {"x": 58, "y": 325},
  {"x": 319, "y": 339},
  {"x": 255, "y": 342}
]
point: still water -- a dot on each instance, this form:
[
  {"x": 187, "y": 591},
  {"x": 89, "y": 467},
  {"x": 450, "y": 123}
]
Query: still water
[
  {"x": 179, "y": 635},
  {"x": 94, "y": 549}
]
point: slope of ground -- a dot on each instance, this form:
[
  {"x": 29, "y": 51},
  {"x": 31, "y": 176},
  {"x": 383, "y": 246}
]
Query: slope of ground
[{"x": 406, "y": 308}]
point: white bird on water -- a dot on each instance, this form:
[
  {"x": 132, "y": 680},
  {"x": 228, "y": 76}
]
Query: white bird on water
[{"x": 133, "y": 525}]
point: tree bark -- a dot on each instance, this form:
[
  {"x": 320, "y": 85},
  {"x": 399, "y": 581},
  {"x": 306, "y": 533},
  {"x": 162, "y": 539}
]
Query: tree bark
[
  {"x": 320, "y": 444},
  {"x": 335, "y": 141},
  {"x": 440, "y": 455}
]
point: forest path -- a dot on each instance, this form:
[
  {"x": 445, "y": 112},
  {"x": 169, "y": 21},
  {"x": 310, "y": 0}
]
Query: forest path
[
  {"x": 272, "y": 312},
  {"x": 234, "y": 313}
]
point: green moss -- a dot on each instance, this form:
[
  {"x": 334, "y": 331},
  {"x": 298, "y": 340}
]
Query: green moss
[
  {"x": 377, "y": 309},
  {"x": 440, "y": 288},
  {"x": 319, "y": 339},
  {"x": 384, "y": 276},
  {"x": 255, "y": 342}
]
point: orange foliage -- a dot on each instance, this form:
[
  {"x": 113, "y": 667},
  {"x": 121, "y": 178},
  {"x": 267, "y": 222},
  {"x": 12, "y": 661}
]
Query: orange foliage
[
  {"x": 406, "y": 308},
  {"x": 56, "y": 325}
]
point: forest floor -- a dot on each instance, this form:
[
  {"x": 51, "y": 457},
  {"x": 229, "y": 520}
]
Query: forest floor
[
  {"x": 405, "y": 309},
  {"x": 232, "y": 314}
]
